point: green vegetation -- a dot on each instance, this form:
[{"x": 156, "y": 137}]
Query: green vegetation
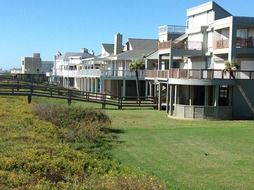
[
  {"x": 51, "y": 147},
  {"x": 183, "y": 154},
  {"x": 187, "y": 154}
]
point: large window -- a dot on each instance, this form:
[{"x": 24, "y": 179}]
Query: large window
[
  {"x": 242, "y": 33},
  {"x": 224, "y": 95}
]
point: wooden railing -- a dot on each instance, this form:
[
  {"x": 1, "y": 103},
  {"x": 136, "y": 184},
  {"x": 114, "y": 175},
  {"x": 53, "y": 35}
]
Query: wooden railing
[
  {"x": 188, "y": 45},
  {"x": 12, "y": 87},
  {"x": 199, "y": 74},
  {"x": 221, "y": 44},
  {"x": 245, "y": 43}
]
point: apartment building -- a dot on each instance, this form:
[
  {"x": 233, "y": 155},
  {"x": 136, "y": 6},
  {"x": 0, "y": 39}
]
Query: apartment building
[
  {"x": 67, "y": 68},
  {"x": 190, "y": 79},
  {"x": 108, "y": 72}
]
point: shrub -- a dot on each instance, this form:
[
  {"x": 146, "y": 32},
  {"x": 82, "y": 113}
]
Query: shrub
[{"x": 79, "y": 124}]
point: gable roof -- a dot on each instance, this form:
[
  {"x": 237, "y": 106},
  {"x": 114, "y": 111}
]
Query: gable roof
[
  {"x": 67, "y": 55},
  {"x": 109, "y": 48},
  {"x": 143, "y": 44}
]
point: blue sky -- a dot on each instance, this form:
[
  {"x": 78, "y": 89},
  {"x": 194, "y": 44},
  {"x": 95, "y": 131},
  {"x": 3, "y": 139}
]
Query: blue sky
[{"x": 48, "y": 26}]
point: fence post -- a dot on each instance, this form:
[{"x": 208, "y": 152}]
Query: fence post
[
  {"x": 104, "y": 101},
  {"x": 120, "y": 102},
  {"x": 69, "y": 97}
]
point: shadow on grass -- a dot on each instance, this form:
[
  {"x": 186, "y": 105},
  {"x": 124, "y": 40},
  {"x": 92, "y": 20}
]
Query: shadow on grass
[{"x": 114, "y": 131}]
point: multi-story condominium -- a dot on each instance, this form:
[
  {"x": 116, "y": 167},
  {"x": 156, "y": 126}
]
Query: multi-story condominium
[
  {"x": 191, "y": 80},
  {"x": 109, "y": 72},
  {"x": 116, "y": 78},
  {"x": 67, "y": 67},
  {"x": 31, "y": 65},
  {"x": 33, "y": 68}
]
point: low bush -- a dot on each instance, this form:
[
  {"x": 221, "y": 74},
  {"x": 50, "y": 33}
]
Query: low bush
[
  {"x": 37, "y": 155},
  {"x": 79, "y": 124}
]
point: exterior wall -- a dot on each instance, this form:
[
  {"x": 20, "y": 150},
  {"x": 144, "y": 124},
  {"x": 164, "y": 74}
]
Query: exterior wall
[
  {"x": 46, "y": 66},
  {"x": 203, "y": 112},
  {"x": 243, "y": 100},
  {"x": 247, "y": 65},
  {"x": 31, "y": 65}
]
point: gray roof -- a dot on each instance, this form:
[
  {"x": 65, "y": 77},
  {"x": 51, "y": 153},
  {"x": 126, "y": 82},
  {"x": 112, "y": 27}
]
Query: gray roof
[
  {"x": 133, "y": 54},
  {"x": 143, "y": 44},
  {"x": 109, "y": 48},
  {"x": 66, "y": 55},
  {"x": 141, "y": 48}
]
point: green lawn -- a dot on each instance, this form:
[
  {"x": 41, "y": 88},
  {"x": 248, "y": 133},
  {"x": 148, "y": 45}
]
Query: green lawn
[
  {"x": 187, "y": 154},
  {"x": 184, "y": 154}
]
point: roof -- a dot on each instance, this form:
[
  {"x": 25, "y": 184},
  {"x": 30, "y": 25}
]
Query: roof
[
  {"x": 153, "y": 55},
  {"x": 108, "y": 48},
  {"x": 67, "y": 55},
  {"x": 206, "y": 7},
  {"x": 143, "y": 44},
  {"x": 133, "y": 54}
]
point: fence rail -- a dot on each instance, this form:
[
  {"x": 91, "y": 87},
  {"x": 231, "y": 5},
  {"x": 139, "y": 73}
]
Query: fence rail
[
  {"x": 12, "y": 87},
  {"x": 200, "y": 74}
]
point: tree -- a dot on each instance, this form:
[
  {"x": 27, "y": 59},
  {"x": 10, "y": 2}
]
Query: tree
[
  {"x": 230, "y": 67},
  {"x": 136, "y": 66}
]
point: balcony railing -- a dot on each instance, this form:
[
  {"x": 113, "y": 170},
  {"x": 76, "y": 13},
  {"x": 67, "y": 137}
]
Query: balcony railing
[
  {"x": 172, "y": 29},
  {"x": 245, "y": 43},
  {"x": 198, "y": 74},
  {"x": 181, "y": 45},
  {"x": 121, "y": 73},
  {"x": 221, "y": 44},
  {"x": 98, "y": 73}
]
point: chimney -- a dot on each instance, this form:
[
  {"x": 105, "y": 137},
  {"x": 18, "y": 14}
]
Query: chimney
[
  {"x": 118, "y": 43},
  {"x": 36, "y": 55},
  {"x": 84, "y": 50}
]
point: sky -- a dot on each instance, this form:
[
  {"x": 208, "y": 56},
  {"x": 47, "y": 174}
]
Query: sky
[{"x": 48, "y": 26}]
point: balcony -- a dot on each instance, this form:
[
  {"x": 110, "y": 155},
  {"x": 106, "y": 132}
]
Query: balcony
[
  {"x": 122, "y": 73},
  {"x": 198, "y": 74},
  {"x": 221, "y": 44},
  {"x": 172, "y": 29},
  {"x": 245, "y": 43},
  {"x": 181, "y": 45}
]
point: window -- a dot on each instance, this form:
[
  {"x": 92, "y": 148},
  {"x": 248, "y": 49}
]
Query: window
[
  {"x": 242, "y": 33},
  {"x": 224, "y": 95}
]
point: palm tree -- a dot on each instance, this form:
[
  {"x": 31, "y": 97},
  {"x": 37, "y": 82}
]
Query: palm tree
[
  {"x": 136, "y": 66},
  {"x": 230, "y": 67}
]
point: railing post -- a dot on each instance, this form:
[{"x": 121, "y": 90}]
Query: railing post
[
  {"x": 201, "y": 73},
  {"x": 69, "y": 97},
  {"x": 120, "y": 102}
]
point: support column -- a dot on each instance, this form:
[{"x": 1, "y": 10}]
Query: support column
[
  {"x": 92, "y": 84},
  {"x": 191, "y": 95},
  {"x": 167, "y": 98},
  {"x": 89, "y": 84},
  {"x": 159, "y": 97},
  {"x": 150, "y": 88},
  {"x": 176, "y": 95},
  {"x": 96, "y": 85},
  {"x": 216, "y": 96},
  {"x": 102, "y": 85},
  {"x": 206, "y": 95},
  {"x": 171, "y": 99},
  {"x": 146, "y": 88},
  {"x": 155, "y": 90},
  {"x": 124, "y": 88}
]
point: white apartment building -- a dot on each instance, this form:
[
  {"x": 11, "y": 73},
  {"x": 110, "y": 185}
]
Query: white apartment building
[
  {"x": 107, "y": 73},
  {"x": 190, "y": 80}
]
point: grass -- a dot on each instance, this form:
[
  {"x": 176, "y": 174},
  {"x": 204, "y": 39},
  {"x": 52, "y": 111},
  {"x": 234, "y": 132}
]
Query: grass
[
  {"x": 69, "y": 154},
  {"x": 187, "y": 154},
  {"x": 184, "y": 154}
]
